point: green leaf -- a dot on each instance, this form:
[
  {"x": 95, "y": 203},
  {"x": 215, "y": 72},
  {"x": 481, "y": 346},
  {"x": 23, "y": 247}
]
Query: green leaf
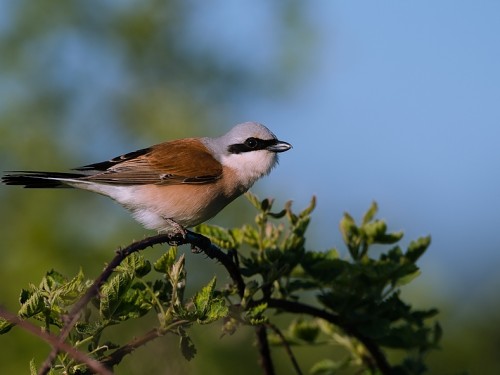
[
  {"x": 277, "y": 215},
  {"x": 33, "y": 369},
  {"x": 219, "y": 236},
  {"x": 370, "y": 214},
  {"x": 135, "y": 263},
  {"x": 389, "y": 238},
  {"x": 218, "y": 310},
  {"x": 165, "y": 262},
  {"x": 347, "y": 226},
  {"x": 374, "y": 230},
  {"x": 112, "y": 294},
  {"x": 404, "y": 280},
  {"x": 324, "y": 266},
  {"x": 89, "y": 329},
  {"x": 300, "y": 226},
  {"x": 309, "y": 209},
  {"x": 33, "y": 305},
  {"x": 72, "y": 289},
  {"x": 253, "y": 199},
  {"x": 208, "y": 308},
  {"x": 304, "y": 330},
  {"x": 135, "y": 303},
  {"x": 5, "y": 326},
  {"x": 258, "y": 309},
  {"x": 266, "y": 204},
  {"x": 188, "y": 349},
  {"x": 251, "y": 236},
  {"x": 24, "y": 295},
  {"x": 255, "y": 315},
  {"x": 52, "y": 280},
  {"x": 417, "y": 248},
  {"x": 326, "y": 367},
  {"x": 350, "y": 234},
  {"x": 203, "y": 298},
  {"x": 237, "y": 235},
  {"x": 293, "y": 244}
]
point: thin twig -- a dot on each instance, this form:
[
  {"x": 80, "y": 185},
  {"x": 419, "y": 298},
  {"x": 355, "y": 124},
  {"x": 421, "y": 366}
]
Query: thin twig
[
  {"x": 96, "y": 366},
  {"x": 117, "y": 356},
  {"x": 288, "y": 349}
]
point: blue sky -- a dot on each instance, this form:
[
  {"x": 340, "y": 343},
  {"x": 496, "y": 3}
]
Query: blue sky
[{"x": 399, "y": 103}]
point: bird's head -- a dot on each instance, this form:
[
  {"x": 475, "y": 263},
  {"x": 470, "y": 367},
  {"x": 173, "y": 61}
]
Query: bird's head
[{"x": 250, "y": 149}]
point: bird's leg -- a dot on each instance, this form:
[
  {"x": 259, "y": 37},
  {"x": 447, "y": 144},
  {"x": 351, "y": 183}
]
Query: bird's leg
[
  {"x": 176, "y": 231},
  {"x": 180, "y": 235}
]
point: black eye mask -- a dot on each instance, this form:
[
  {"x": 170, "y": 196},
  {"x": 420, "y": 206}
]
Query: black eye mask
[{"x": 251, "y": 144}]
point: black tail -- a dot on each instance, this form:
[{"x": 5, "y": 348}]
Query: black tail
[{"x": 36, "y": 180}]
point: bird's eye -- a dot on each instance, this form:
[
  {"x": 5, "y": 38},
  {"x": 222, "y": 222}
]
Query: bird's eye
[{"x": 251, "y": 143}]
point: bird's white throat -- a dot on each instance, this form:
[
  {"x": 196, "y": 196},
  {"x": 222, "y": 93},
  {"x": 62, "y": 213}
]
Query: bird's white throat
[{"x": 250, "y": 166}]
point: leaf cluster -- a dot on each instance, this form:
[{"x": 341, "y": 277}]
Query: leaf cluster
[
  {"x": 360, "y": 295},
  {"x": 135, "y": 289},
  {"x": 352, "y": 301}
]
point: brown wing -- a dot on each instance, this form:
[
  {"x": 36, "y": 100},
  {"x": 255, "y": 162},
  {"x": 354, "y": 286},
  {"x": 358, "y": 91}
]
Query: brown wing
[{"x": 185, "y": 161}]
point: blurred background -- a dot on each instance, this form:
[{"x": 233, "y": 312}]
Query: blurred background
[{"x": 397, "y": 102}]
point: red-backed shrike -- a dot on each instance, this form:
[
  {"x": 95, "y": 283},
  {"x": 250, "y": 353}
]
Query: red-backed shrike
[{"x": 175, "y": 184}]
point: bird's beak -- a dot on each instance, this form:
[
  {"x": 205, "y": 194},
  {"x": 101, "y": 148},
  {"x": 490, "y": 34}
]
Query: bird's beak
[{"x": 279, "y": 146}]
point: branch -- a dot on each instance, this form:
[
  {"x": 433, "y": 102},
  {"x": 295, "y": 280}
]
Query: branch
[
  {"x": 213, "y": 252},
  {"x": 266, "y": 361},
  {"x": 262, "y": 339},
  {"x": 96, "y": 366},
  {"x": 300, "y": 308}
]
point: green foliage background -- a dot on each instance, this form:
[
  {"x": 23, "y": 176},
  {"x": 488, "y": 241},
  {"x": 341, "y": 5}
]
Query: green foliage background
[{"x": 82, "y": 81}]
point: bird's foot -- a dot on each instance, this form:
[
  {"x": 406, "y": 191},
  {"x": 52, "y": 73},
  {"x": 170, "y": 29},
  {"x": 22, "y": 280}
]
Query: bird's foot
[{"x": 176, "y": 232}]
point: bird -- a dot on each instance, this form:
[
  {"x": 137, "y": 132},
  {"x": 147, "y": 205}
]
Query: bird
[{"x": 177, "y": 184}]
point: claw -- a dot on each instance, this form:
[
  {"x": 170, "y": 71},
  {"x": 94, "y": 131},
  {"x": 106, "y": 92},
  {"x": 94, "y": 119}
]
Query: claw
[{"x": 176, "y": 232}]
